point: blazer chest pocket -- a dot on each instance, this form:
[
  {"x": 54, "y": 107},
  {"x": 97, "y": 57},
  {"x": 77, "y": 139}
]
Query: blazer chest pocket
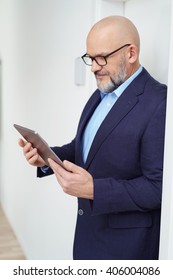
[{"x": 130, "y": 220}]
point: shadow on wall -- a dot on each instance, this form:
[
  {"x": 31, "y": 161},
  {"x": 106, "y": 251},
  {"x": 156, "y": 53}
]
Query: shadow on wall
[
  {"x": 0, "y": 121},
  {"x": 0, "y": 96}
]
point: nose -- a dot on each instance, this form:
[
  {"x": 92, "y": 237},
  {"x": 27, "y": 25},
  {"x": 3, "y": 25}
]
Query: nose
[{"x": 95, "y": 66}]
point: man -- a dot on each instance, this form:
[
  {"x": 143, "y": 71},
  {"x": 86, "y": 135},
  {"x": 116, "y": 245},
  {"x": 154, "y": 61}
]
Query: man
[{"x": 114, "y": 164}]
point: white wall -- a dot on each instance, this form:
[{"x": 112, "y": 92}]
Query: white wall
[
  {"x": 153, "y": 20},
  {"x": 166, "y": 244},
  {"x": 39, "y": 41}
]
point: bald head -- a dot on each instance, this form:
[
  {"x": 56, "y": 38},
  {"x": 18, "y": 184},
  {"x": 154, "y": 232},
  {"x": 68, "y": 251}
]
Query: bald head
[
  {"x": 113, "y": 46},
  {"x": 115, "y": 31}
]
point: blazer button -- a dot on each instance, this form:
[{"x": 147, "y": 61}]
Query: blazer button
[{"x": 80, "y": 212}]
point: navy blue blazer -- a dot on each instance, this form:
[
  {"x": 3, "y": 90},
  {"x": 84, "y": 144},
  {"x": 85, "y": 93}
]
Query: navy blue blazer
[{"x": 126, "y": 162}]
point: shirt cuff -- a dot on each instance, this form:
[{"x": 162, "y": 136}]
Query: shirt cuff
[{"x": 44, "y": 169}]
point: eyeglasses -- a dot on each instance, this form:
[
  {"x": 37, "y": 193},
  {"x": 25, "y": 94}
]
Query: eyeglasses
[{"x": 99, "y": 59}]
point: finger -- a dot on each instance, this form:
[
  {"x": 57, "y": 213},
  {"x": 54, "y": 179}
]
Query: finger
[
  {"x": 73, "y": 167},
  {"x": 58, "y": 169},
  {"x": 27, "y": 148},
  {"x": 33, "y": 159},
  {"x": 31, "y": 153},
  {"x": 21, "y": 142},
  {"x": 54, "y": 165},
  {"x": 63, "y": 176}
]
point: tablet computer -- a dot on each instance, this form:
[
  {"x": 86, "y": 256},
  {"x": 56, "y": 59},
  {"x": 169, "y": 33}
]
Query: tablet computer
[{"x": 39, "y": 143}]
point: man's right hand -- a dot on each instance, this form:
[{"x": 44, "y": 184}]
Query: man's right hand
[{"x": 31, "y": 154}]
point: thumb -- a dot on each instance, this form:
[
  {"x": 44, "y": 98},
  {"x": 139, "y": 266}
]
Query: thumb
[{"x": 72, "y": 167}]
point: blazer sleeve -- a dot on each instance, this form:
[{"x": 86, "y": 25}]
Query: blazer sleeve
[{"x": 142, "y": 193}]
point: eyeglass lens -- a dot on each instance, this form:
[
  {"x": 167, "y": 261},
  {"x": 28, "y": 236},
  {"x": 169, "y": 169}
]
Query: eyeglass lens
[{"x": 99, "y": 60}]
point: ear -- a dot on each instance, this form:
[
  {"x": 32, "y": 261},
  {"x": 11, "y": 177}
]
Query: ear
[{"x": 132, "y": 53}]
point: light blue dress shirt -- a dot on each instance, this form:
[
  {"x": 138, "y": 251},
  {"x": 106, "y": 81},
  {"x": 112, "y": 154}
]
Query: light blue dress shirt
[{"x": 107, "y": 102}]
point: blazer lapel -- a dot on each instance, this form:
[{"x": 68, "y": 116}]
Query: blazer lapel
[
  {"x": 87, "y": 113},
  {"x": 121, "y": 108}
]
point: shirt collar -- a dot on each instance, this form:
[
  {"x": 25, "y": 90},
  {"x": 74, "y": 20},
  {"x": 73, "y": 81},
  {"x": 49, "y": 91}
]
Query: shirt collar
[{"x": 122, "y": 87}]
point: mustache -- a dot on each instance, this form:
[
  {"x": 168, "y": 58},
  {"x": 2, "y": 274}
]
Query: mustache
[{"x": 101, "y": 73}]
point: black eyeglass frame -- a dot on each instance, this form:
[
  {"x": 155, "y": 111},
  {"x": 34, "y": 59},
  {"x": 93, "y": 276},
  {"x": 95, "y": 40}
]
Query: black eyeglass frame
[{"x": 102, "y": 56}]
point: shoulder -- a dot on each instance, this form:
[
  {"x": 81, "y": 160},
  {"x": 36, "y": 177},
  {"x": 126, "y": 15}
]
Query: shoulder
[
  {"x": 152, "y": 91},
  {"x": 152, "y": 84}
]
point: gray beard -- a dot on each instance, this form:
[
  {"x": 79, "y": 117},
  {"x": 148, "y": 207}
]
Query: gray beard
[{"x": 115, "y": 81}]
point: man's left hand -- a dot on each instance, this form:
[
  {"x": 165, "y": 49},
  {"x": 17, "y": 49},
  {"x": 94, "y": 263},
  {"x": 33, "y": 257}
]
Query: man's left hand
[{"x": 74, "y": 180}]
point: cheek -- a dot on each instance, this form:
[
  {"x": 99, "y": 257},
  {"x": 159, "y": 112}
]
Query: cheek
[
  {"x": 113, "y": 73},
  {"x": 113, "y": 68}
]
